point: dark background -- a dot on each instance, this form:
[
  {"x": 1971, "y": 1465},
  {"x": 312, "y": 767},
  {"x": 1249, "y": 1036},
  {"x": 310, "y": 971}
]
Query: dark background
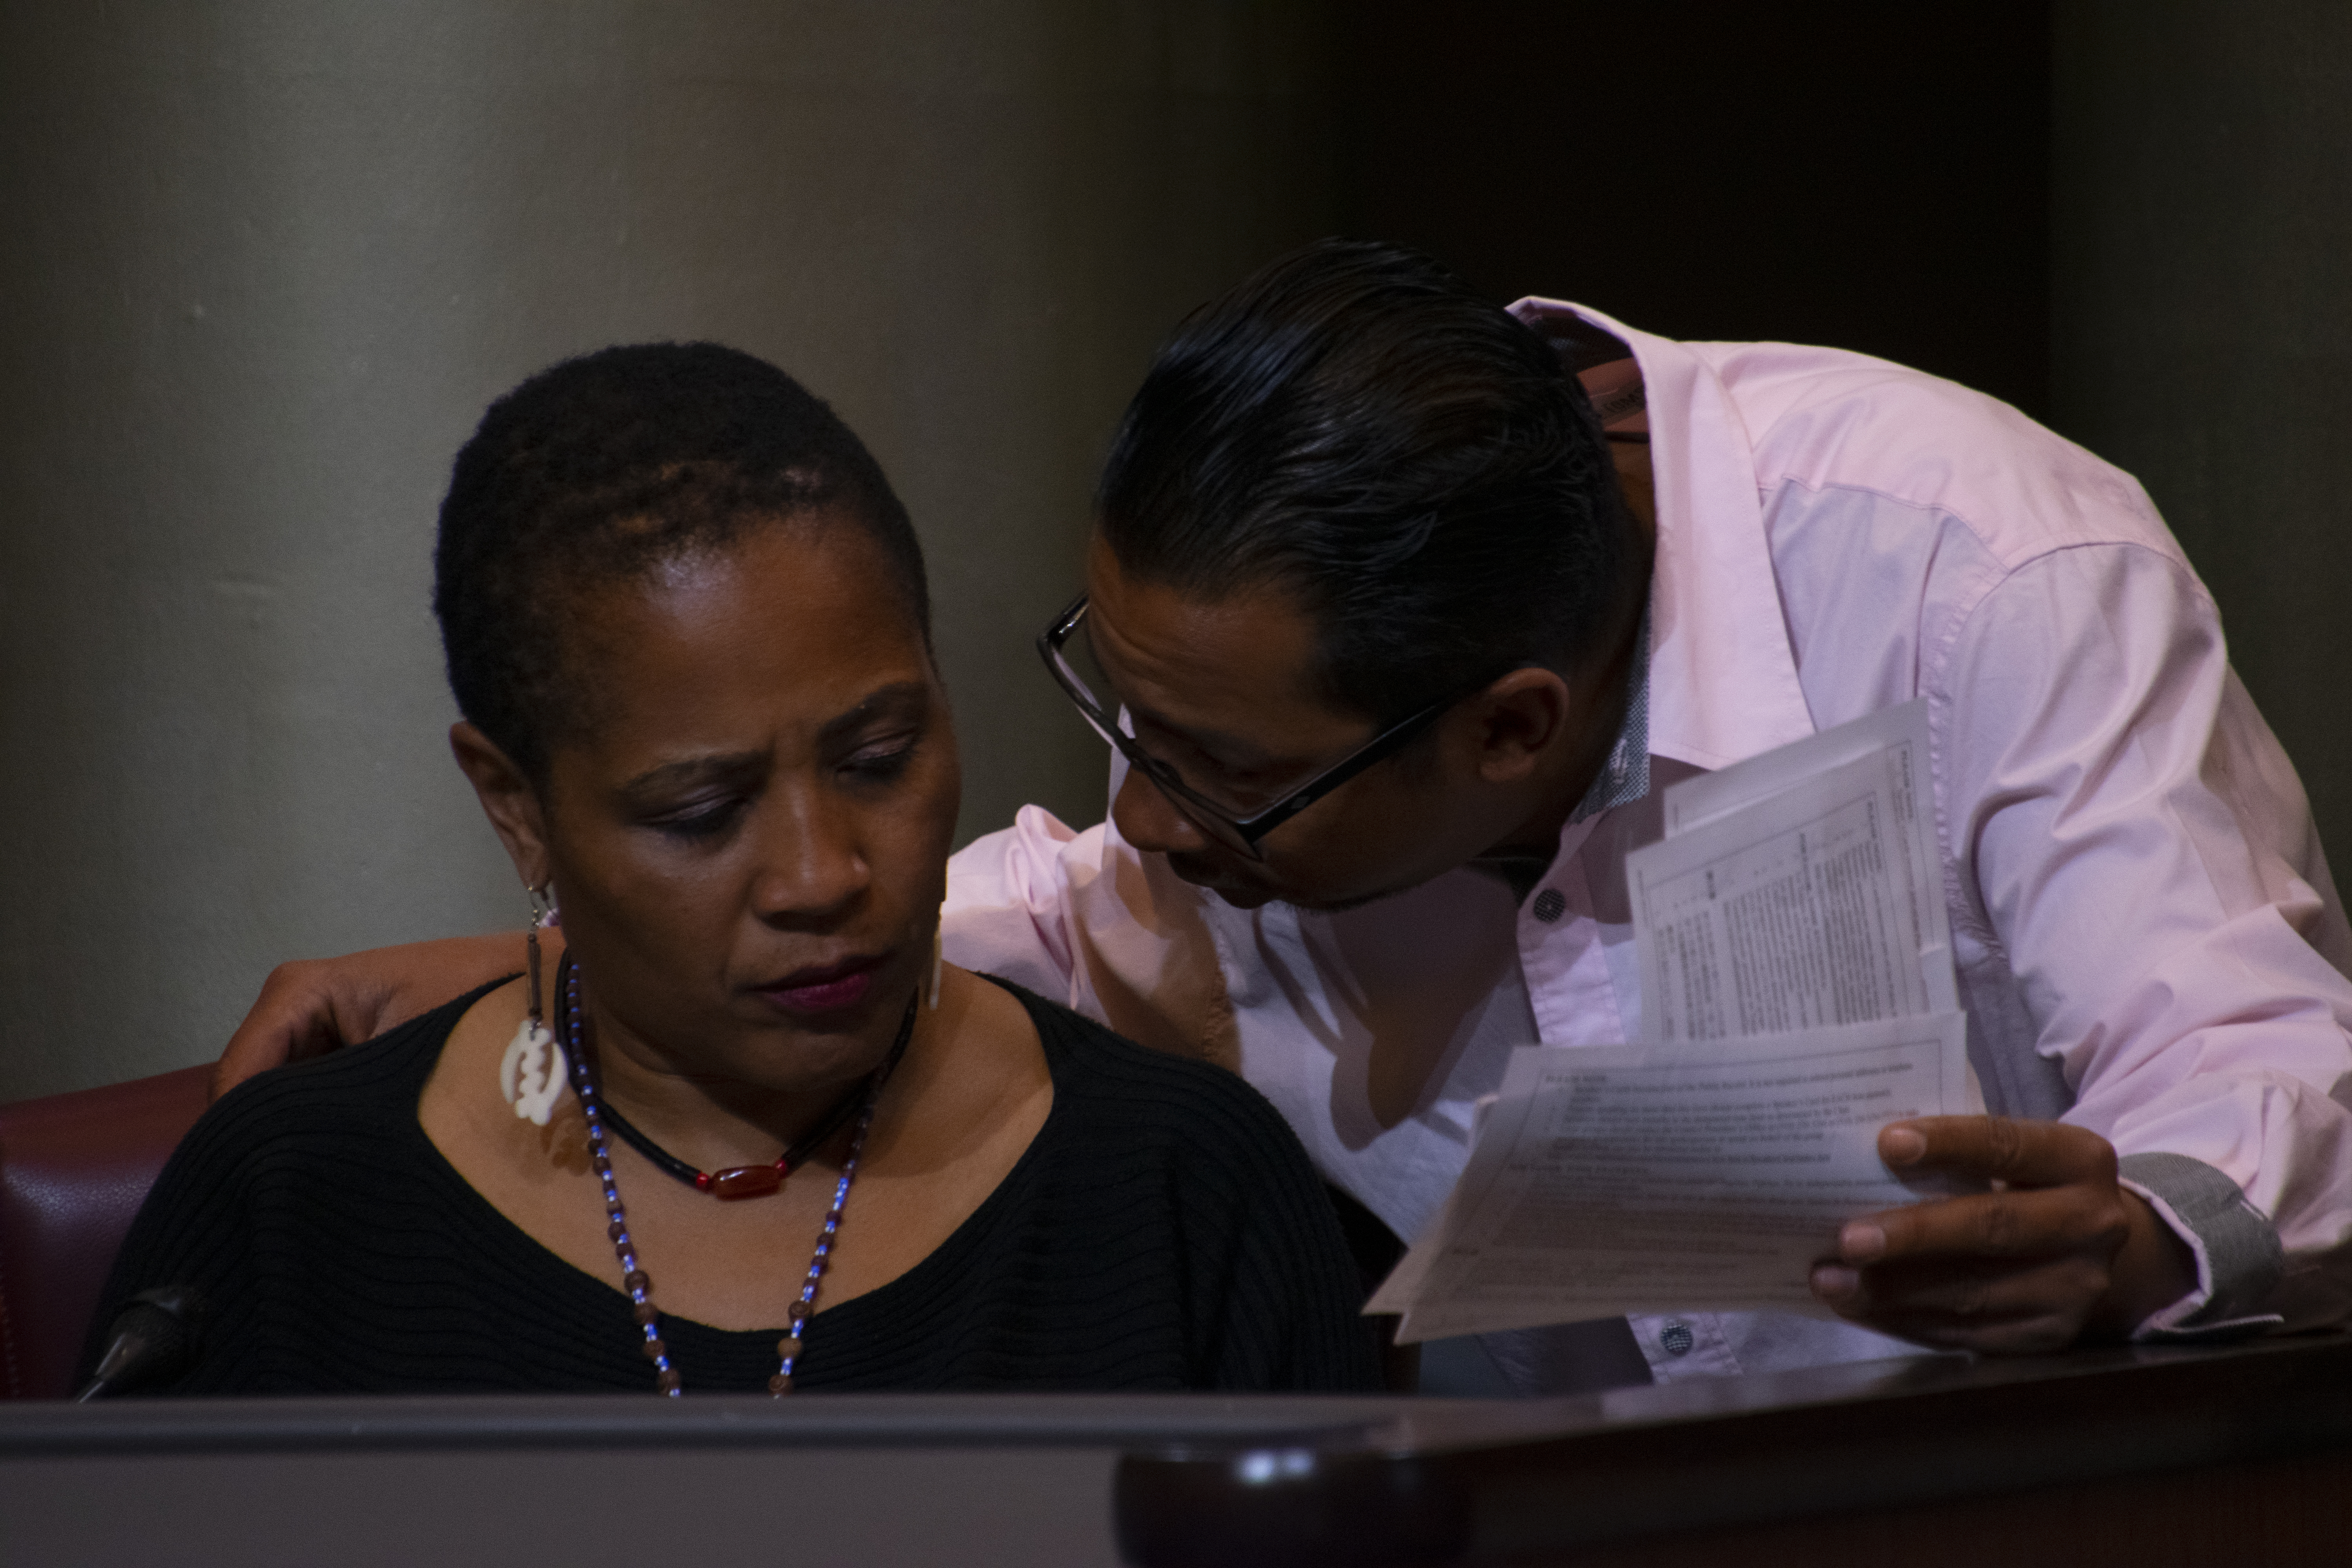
[{"x": 1866, "y": 175}]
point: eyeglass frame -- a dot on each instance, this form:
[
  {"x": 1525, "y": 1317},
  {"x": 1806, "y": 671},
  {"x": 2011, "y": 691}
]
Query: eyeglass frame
[{"x": 1238, "y": 833}]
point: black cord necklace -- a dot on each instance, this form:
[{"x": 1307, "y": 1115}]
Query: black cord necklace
[{"x": 759, "y": 1181}]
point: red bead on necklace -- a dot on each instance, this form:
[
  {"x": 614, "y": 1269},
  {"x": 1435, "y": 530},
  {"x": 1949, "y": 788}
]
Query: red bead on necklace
[
  {"x": 740, "y": 1181},
  {"x": 759, "y": 1181}
]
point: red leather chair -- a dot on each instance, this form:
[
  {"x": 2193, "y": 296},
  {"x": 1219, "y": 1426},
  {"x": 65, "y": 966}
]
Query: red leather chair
[{"x": 74, "y": 1169}]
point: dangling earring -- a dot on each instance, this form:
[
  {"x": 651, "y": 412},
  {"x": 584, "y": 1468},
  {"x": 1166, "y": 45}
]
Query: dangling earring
[
  {"x": 533, "y": 1075},
  {"x": 939, "y": 949}
]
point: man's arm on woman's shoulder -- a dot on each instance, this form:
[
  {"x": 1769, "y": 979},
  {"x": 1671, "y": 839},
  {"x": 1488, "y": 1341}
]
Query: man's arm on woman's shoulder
[
  {"x": 1008, "y": 908},
  {"x": 312, "y": 1006},
  {"x": 1080, "y": 917}
]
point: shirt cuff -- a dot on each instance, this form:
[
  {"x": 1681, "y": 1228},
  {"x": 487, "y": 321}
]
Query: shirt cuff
[{"x": 2239, "y": 1260}]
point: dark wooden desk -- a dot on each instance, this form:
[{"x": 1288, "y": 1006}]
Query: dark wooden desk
[
  {"x": 2131, "y": 1457},
  {"x": 716, "y": 1481},
  {"x": 2144, "y": 1457}
]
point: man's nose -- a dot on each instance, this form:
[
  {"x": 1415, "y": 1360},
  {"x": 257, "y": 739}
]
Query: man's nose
[{"x": 1149, "y": 819}]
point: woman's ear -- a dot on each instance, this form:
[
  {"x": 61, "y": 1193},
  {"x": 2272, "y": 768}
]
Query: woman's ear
[
  {"x": 1516, "y": 721},
  {"x": 507, "y": 800}
]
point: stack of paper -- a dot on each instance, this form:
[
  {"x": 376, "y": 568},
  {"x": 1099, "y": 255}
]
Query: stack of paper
[{"x": 1797, "y": 995}]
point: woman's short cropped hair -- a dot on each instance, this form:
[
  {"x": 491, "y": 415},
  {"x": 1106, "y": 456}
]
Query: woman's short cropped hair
[
  {"x": 1357, "y": 426},
  {"x": 601, "y": 470}
]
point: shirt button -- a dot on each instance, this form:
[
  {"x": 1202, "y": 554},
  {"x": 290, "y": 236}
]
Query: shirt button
[
  {"x": 1676, "y": 1339},
  {"x": 1550, "y": 904}
]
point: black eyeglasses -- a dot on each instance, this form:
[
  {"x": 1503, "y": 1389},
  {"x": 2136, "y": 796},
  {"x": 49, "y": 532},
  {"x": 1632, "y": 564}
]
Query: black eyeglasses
[{"x": 1073, "y": 670}]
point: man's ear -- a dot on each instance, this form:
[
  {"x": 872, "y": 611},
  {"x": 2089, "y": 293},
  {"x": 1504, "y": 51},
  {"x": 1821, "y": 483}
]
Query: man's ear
[
  {"x": 1516, "y": 721},
  {"x": 507, "y": 800}
]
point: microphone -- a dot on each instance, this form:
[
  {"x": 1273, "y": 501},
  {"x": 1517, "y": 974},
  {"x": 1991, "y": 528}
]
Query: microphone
[{"x": 154, "y": 1339}]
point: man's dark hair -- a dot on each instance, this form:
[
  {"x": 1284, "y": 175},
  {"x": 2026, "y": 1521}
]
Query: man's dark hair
[
  {"x": 1354, "y": 425},
  {"x": 601, "y": 470}
]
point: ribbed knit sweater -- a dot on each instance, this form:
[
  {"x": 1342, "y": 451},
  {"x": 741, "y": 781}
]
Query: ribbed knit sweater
[{"x": 1162, "y": 1231}]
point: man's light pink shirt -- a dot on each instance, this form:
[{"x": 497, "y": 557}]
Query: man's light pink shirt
[{"x": 2148, "y": 941}]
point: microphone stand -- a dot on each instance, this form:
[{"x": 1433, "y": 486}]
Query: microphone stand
[{"x": 154, "y": 1339}]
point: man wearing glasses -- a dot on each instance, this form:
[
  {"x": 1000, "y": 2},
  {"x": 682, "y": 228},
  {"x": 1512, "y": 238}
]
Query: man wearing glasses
[{"x": 1397, "y": 636}]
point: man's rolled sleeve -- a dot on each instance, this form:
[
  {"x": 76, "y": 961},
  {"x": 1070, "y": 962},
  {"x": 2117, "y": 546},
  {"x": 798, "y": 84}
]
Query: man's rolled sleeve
[{"x": 2239, "y": 1260}]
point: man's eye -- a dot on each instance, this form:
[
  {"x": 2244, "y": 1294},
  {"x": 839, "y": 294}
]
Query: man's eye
[
  {"x": 1176, "y": 756},
  {"x": 1163, "y": 770},
  {"x": 1203, "y": 771}
]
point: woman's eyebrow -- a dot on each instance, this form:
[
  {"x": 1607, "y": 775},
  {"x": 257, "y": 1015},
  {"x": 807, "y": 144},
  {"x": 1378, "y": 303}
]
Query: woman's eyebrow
[
  {"x": 898, "y": 697},
  {"x": 695, "y": 770}
]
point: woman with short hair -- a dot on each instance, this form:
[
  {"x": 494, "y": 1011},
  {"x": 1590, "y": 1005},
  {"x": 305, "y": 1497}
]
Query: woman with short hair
[{"x": 746, "y": 1131}]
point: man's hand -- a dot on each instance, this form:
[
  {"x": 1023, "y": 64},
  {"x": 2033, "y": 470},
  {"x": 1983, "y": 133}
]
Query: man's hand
[
  {"x": 310, "y": 1006},
  {"x": 2057, "y": 1252}
]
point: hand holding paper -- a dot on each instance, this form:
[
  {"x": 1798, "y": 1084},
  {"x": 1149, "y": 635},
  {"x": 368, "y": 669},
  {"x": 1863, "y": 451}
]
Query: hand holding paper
[
  {"x": 2060, "y": 1251},
  {"x": 1796, "y": 983},
  {"x": 1790, "y": 1139},
  {"x": 1689, "y": 1177}
]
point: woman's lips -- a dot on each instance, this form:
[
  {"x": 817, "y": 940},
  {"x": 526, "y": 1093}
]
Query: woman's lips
[{"x": 824, "y": 988}]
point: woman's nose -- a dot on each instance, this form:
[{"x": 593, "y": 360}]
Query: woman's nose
[
  {"x": 811, "y": 863},
  {"x": 1148, "y": 820}
]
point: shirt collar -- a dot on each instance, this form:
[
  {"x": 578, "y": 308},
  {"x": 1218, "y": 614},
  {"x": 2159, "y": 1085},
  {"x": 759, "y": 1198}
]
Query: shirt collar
[
  {"x": 1720, "y": 681},
  {"x": 1624, "y": 778}
]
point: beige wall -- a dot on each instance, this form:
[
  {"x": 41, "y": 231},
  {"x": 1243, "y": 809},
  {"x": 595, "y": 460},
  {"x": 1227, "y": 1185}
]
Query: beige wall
[
  {"x": 2201, "y": 260},
  {"x": 263, "y": 263}
]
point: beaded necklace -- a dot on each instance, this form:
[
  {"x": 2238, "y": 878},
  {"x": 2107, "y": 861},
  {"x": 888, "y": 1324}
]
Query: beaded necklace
[
  {"x": 634, "y": 1279},
  {"x": 746, "y": 1181}
]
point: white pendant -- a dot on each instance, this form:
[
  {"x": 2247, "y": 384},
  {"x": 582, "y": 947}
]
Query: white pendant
[{"x": 533, "y": 1075}]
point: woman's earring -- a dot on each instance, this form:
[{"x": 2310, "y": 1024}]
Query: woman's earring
[
  {"x": 938, "y": 950},
  {"x": 533, "y": 1075}
]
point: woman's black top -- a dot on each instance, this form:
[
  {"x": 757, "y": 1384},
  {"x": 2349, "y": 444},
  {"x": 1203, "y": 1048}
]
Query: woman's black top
[{"x": 1162, "y": 1231}]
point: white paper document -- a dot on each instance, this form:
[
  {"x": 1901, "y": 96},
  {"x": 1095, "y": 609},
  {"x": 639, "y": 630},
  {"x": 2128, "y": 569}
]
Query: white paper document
[
  {"x": 1797, "y": 995},
  {"x": 1691, "y": 1178},
  {"x": 1798, "y": 890}
]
